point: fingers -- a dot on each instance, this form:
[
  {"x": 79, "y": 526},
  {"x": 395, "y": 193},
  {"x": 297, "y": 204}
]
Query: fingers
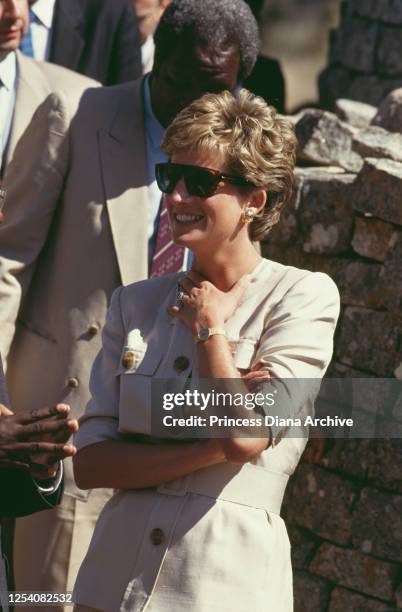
[
  {"x": 51, "y": 430},
  {"x": 20, "y": 451},
  {"x": 57, "y": 410},
  {"x": 4, "y": 411},
  {"x": 46, "y": 466},
  {"x": 13, "y": 464},
  {"x": 43, "y": 472},
  {"x": 187, "y": 285},
  {"x": 61, "y": 436},
  {"x": 53, "y": 458},
  {"x": 174, "y": 311},
  {"x": 195, "y": 278},
  {"x": 256, "y": 376}
]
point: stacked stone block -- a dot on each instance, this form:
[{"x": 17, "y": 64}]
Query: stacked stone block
[
  {"x": 365, "y": 59},
  {"x": 345, "y": 512}
]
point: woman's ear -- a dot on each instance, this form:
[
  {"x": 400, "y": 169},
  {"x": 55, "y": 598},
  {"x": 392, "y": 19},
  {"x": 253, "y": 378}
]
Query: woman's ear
[{"x": 258, "y": 199}]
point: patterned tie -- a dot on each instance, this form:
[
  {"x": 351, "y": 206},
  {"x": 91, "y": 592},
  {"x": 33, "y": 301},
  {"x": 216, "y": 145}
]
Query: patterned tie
[
  {"x": 26, "y": 46},
  {"x": 168, "y": 257}
]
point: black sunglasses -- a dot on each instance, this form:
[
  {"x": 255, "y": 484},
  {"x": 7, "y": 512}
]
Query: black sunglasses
[{"x": 199, "y": 181}]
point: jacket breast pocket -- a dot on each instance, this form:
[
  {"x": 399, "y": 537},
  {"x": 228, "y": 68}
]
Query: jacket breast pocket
[{"x": 136, "y": 372}]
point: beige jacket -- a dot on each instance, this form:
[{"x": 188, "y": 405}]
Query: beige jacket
[
  {"x": 214, "y": 539},
  {"x": 36, "y": 80},
  {"x": 75, "y": 229}
]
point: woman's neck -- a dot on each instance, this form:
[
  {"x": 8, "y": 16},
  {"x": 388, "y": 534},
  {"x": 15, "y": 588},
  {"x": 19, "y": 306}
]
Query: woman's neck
[{"x": 223, "y": 269}]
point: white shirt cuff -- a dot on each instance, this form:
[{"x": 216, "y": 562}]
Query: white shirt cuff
[{"x": 55, "y": 485}]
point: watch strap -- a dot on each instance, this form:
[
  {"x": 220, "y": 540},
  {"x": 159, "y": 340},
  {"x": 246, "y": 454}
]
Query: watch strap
[{"x": 206, "y": 332}]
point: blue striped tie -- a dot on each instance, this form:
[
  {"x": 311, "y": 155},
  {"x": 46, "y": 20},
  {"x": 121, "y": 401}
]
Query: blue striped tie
[{"x": 26, "y": 42}]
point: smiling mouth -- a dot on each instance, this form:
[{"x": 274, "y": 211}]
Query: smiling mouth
[
  {"x": 9, "y": 33},
  {"x": 181, "y": 218}
]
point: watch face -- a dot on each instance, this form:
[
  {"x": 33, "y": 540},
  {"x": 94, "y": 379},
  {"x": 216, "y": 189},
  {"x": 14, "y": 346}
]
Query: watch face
[{"x": 203, "y": 334}]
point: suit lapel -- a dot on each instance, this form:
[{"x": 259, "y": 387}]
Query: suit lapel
[
  {"x": 67, "y": 42},
  {"x": 124, "y": 170},
  {"x": 32, "y": 89}
]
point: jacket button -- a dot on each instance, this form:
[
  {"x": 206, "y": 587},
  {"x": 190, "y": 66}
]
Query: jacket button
[
  {"x": 157, "y": 536},
  {"x": 128, "y": 360},
  {"x": 181, "y": 363},
  {"x": 73, "y": 383},
  {"x": 93, "y": 329}
]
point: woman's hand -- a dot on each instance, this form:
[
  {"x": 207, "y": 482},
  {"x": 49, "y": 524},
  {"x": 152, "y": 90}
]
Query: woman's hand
[{"x": 203, "y": 305}]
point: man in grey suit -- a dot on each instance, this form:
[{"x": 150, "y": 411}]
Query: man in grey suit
[{"x": 83, "y": 219}]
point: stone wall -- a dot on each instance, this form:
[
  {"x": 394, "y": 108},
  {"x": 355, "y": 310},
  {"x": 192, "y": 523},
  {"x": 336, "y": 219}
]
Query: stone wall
[
  {"x": 365, "y": 59},
  {"x": 344, "y": 512}
]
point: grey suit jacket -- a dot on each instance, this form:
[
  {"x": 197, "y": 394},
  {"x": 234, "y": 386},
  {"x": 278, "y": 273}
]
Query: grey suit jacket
[{"x": 75, "y": 229}]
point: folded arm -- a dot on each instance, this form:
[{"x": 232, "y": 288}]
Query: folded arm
[
  {"x": 127, "y": 465},
  {"x": 105, "y": 458}
]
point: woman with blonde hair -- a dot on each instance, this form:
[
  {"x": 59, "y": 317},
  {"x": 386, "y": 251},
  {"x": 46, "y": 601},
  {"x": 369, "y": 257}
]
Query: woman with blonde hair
[{"x": 196, "y": 526}]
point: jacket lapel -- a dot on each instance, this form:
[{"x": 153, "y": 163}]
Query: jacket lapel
[
  {"x": 67, "y": 42},
  {"x": 124, "y": 170},
  {"x": 32, "y": 89}
]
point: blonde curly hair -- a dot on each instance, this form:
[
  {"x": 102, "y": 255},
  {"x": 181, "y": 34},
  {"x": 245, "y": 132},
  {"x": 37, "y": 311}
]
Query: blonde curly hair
[{"x": 256, "y": 143}]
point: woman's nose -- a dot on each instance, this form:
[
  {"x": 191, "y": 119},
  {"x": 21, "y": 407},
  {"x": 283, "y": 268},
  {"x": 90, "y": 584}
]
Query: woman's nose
[{"x": 180, "y": 193}]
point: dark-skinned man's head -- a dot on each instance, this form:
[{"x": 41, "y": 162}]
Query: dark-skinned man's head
[{"x": 201, "y": 47}]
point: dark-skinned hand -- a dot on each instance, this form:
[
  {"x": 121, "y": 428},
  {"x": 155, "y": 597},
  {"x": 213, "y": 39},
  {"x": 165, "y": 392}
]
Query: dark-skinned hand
[{"x": 36, "y": 439}]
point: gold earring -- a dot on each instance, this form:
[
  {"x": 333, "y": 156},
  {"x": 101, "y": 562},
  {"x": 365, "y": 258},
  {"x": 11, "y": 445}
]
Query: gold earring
[{"x": 248, "y": 214}]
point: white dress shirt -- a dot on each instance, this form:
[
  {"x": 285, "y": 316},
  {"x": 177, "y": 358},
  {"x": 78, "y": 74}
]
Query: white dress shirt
[
  {"x": 8, "y": 91},
  {"x": 147, "y": 54},
  {"x": 41, "y": 29}
]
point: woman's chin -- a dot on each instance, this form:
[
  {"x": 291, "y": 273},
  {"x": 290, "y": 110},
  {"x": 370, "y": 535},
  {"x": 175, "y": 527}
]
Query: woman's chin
[{"x": 187, "y": 240}]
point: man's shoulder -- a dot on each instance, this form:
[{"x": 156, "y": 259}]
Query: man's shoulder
[
  {"x": 43, "y": 78},
  {"x": 60, "y": 77},
  {"x": 93, "y": 106}
]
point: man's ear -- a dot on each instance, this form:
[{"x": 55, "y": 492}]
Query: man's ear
[{"x": 258, "y": 199}]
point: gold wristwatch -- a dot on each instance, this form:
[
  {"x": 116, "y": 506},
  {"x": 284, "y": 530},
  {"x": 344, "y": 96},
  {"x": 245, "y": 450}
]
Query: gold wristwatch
[{"x": 206, "y": 332}]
